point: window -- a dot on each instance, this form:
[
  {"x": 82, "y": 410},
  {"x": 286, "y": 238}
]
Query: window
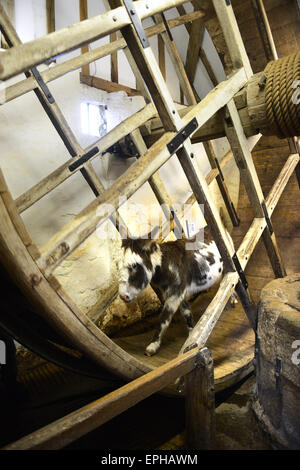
[{"x": 93, "y": 119}]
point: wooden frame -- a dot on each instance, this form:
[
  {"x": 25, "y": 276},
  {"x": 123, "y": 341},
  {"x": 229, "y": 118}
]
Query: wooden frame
[{"x": 35, "y": 267}]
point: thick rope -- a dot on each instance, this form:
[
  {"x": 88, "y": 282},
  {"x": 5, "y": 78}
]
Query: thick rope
[{"x": 282, "y": 113}]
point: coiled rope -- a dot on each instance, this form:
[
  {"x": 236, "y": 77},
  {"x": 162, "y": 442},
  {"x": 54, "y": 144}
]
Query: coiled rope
[{"x": 282, "y": 109}]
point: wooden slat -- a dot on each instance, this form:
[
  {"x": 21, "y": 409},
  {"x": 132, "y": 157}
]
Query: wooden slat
[
  {"x": 200, "y": 403},
  {"x": 24, "y": 86},
  {"x": 114, "y": 71},
  {"x": 83, "y": 13},
  {"x": 177, "y": 64},
  {"x": 59, "y": 175},
  {"x": 35, "y": 52},
  {"x": 232, "y": 36},
  {"x": 78, "y": 423},
  {"x": 110, "y": 87},
  {"x": 50, "y": 9}
]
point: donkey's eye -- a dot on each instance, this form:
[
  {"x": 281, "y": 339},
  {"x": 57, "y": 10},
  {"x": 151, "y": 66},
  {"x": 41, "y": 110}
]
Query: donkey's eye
[{"x": 132, "y": 268}]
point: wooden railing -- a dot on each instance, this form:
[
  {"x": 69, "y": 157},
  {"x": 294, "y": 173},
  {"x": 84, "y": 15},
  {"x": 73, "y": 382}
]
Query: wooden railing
[{"x": 197, "y": 367}]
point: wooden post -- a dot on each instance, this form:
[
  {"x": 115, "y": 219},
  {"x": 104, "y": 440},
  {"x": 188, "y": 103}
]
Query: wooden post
[
  {"x": 114, "y": 72},
  {"x": 200, "y": 403},
  {"x": 83, "y": 16},
  {"x": 50, "y": 7},
  {"x": 264, "y": 29}
]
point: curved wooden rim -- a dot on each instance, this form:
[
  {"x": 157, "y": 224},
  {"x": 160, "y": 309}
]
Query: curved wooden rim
[{"x": 59, "y": 310}]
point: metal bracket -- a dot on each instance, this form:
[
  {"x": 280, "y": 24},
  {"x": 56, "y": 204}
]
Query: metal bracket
[
  {"x": 167, "y": 27},
  {"x": 182, "y": 135},
  {"x": 235, "y": 214},
  {"x": 43, "y": 85},
  {"x": 219, "y": 169},
  {"x": 268, "y": 220},
  {"x": 83, "y": 159},
  {"x": 240, "y": 271},
  {"x": 136, "y": 23}
]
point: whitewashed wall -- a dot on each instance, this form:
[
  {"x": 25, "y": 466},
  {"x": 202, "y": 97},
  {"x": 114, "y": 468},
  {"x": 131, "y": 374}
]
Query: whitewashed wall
[{"x": 31, "y": 149}]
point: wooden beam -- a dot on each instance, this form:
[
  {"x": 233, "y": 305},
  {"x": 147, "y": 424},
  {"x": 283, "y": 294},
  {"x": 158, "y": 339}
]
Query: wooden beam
[
  {"x": 110, "y": 87},
  {"x": 51, "y": 108},
  {"x": 177, "y": 63},
  {"x": 204, "y": 327},
  {"x": 24, "y": 86},
  {"x": 62, "y": 432},
  {"x": 30, "y": 54},
  {"x": 62, "y": 173},
  {"x": 161, "y": 55},
  {"x": 232, "y": 36},
  {"x": 194, "y": 48},
  {"x": 200, "y": 403},
  {"x": 264, "y": 29},
  {"x": 83, "y": 13},
  {"x": 50, "y": 9},
  {"x": 114, "y": 72}
]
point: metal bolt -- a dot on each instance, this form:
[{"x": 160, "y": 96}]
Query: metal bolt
[{"x": 114, "y": 18}]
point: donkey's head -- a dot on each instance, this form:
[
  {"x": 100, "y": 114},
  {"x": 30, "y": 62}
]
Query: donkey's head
[{"x": 137, "y": 266}]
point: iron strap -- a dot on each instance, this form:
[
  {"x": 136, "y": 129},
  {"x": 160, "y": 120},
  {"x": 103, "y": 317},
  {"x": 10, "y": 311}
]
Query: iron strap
[
  {"x": 219, "y": 169},
  {"x": 83, "y": 159},
  {"x": 43, "y": 85},
  {"x": 136, "y": 23},
  {"x": 167, "y": 27},
  {"x": 240, "y": 271},
  {"x": 182, "y": 135},
  {"x": 268, "y": 220}
]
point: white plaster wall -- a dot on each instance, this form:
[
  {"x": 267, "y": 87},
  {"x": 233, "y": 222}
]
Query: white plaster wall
[{"x": 31, "y": 149}]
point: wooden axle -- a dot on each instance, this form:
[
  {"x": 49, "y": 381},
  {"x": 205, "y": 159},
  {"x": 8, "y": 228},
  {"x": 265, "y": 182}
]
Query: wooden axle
[{"x": 251, "y": 106}]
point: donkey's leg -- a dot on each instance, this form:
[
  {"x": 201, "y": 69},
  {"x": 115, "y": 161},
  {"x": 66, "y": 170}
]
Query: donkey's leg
[
  {"x": 186, "y": 312},
  {"x": 170, "y": 307}
]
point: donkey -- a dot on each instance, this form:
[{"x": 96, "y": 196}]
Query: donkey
[{"x": 174, "y": 272}]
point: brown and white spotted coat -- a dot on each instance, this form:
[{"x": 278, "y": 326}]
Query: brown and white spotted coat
[{"x": 174, "y": 272}]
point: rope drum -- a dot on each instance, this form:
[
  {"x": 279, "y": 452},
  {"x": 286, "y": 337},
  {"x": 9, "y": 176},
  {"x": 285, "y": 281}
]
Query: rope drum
[{"x": 282, "y": 99}]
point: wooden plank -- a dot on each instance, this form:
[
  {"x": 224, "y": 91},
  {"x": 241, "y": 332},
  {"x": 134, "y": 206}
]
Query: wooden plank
[
  {"x": 51, "y": 108},
  {"x": 200, "y": 403},
  {"x": 202, "y": 330},
  {"x": 59, "y": 175},
  {"x": 35, "y": 52},
  {"x": 110, "y": 87},
  {"x": 194, "y": 48},
  {"x": 83, "y": 14},
  {"x": 232, "y": 36},
  {"x": 114, "y": 73},
  {"x": 177, "y": 64},
  {"x": 208, "y": 146},
  {"x": 264, "y": 29},
  {"x": 243, "y": 157},
  {"x": 78, "y": 423},
  {"x": 24, "y": 86},
  {"x": 50, "y": 11},
  {"x": 161, "y": 55}
]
